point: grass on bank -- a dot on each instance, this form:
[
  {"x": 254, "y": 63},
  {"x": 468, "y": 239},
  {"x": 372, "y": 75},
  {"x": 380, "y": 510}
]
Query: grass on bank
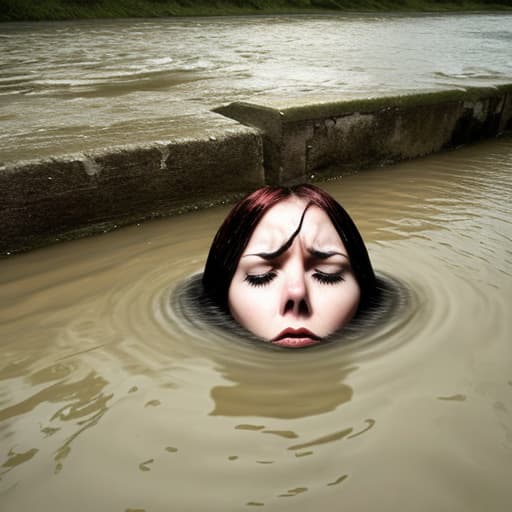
[{"x": 36, "y": 10}]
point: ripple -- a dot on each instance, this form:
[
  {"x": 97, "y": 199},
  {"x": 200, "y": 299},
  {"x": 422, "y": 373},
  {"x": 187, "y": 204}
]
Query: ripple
[
  {"x": 60, "y": 59},
  {"x": 111, "y": 376}
]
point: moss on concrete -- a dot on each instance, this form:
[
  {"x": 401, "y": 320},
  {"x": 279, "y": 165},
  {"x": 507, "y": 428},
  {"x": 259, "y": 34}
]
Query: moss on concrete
[
  {"x": 63, "y": 198},
  {"x": 69, "y": 197},
  {"x": 366, "y": 105},
  {"x": 316, "y": 139},
  {"x": 58, "y": 234}
]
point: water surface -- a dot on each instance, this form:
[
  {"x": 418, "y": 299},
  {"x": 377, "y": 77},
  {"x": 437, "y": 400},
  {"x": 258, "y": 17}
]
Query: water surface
[
  {"x": 109, "y": 400},
  {"x": 80, "y": 85}
]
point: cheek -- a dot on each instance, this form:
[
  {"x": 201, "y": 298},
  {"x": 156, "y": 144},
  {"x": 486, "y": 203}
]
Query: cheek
[
  {"x": 250, "y": 305},
  {"x": 350, "y": 301},
  {"x": 339, "y": 305}
]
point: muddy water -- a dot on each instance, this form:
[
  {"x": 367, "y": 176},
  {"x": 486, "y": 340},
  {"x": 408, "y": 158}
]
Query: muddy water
[
  {"x": 80, "y": 85},
  {"x": 111, "y": 400}
]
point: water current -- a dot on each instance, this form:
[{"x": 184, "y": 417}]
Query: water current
[
  {"x": 74, "y": 86},
  {"x": 111, "y": 400}
]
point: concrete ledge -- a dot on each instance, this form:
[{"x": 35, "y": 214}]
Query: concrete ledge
[
  {"x": 315, "y": 141},
  {"x": 77, "y": 195}
]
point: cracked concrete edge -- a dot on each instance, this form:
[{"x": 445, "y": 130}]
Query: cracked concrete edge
[
  {"x": 320, "y": 140},
  {"x": 279, "y": 112},
  {"x": 44, "y": 201}
]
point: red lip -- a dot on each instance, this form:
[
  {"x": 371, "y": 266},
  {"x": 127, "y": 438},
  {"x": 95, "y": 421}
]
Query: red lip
[{"x": 296, "y": 338}]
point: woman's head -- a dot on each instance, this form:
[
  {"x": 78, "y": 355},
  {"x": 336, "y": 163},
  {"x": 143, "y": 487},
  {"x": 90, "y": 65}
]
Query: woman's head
[{"x": 289, "y": 265}]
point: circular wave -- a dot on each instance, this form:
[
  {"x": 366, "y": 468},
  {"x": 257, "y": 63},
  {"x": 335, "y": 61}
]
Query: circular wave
[{"x": 196, "y": 314}]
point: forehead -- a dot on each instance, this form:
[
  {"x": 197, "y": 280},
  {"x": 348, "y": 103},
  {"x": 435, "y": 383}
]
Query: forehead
[{"x": 278, "y": 224}]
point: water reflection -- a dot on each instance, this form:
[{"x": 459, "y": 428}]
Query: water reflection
[
  {"x": 81, "y": 402},
  {"x": 15, "y": 459},
  {"x": 280, "y": 392}
]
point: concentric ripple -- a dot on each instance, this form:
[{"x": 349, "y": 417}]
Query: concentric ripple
[{"x": 113, "y": 379}]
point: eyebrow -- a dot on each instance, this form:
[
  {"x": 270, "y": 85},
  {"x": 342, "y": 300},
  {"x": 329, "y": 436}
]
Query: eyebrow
[
  {"x": 323, "y": 255},
  {"x": 316, "y": 253}
]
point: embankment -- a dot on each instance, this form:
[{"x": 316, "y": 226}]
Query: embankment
[
  {"x": 315, "y": 141},
  {"x": 43, "y": 201}
]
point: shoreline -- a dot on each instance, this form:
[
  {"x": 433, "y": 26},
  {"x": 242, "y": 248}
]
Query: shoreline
[{"x": 66, "y": 10}]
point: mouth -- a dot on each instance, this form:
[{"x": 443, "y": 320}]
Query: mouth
[{"x": 296, "y": 338}]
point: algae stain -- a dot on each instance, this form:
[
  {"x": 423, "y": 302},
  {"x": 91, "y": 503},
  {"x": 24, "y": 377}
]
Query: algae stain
[{"x": 152, "y": 403}]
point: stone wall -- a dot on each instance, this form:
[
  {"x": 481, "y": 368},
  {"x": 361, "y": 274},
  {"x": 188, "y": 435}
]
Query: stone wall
[
  {"x": 319, "y": 140},
  {"x": 42, "y": 201},
  {"x": 73, "y": 196}
]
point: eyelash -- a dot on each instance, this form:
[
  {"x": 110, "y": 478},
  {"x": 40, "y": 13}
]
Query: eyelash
[
  {"x": 260, "y": 279},
  {"x": 326, "y": 278},
  {"x": 321, "y": 277}
]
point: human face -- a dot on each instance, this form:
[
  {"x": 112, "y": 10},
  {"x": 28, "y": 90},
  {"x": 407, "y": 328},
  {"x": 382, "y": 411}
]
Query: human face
[{"x": 301, "y": 295}]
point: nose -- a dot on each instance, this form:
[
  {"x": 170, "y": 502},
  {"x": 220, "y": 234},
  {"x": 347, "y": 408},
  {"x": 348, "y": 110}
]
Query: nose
[{"x": 295, "y": 294}]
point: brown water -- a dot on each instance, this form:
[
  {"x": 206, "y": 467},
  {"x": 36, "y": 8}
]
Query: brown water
[
  {"x": 73, "y": 86},
  {"x": 111, "y": 401}
]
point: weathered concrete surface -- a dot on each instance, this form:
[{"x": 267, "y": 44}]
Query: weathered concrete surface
[
  {"x": 68, "y": 197},
  {"x": 324, "y": 139},
  {"x": 76, "y": 195}
]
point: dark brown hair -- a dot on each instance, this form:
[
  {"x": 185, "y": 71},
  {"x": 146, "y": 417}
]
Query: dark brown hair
[{"x": 236, "y": 230}]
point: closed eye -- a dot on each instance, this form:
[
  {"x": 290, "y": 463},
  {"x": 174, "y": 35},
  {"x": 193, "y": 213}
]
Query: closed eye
[
  {"x": 329, "y": 277},
  {"x": 260, "y": 279}
]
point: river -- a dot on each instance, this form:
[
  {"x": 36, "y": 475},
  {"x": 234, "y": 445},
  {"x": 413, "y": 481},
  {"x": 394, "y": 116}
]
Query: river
[
  {"x": 113, "y": 399},
  {"x": 68, "y": 87}
]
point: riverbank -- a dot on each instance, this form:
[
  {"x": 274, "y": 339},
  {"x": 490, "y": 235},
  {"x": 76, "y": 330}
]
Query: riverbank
[
  {"x": 50, "y": 10},
  {"x": 44, "y": 201}
]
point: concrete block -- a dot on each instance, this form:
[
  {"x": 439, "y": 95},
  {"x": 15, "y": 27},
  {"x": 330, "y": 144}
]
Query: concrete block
[
  {"x": 76, "y": 195},
  {"x": 331, "y": 137},
  {"x": 282, "y": 143}
]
